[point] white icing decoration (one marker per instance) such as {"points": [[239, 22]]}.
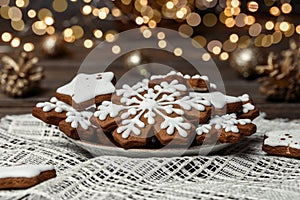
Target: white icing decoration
{"points": [[286, 138], [24, 171], [217, 99], [247, 107], [149, 105], [85, 87], [227, 122], [244, 98], [82, 118], [73, 116]]}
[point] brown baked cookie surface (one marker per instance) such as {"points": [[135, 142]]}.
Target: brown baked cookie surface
{"points": [[25, 176], [282, 143]]}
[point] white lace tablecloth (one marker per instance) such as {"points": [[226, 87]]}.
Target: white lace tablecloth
{"points": [[242, 171]]}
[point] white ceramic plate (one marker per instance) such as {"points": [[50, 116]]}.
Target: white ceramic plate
{"points": [[100, 150]]}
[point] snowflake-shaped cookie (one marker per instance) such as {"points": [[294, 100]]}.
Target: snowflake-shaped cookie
{"points": [[227, 128], [165, 110]]}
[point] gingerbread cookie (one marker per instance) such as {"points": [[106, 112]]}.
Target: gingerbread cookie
{"points": [[282, 143], [25, 176], [87, 89], [228, 128], [249, 111], [196, 82], [146, 109], [75, 124], [222, 104]]}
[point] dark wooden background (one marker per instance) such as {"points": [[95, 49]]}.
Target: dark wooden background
{"points": [[61, 70]]}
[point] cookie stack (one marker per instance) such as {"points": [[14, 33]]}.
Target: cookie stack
{"points": [[172, 110]]}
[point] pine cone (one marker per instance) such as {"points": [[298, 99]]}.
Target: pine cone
{"points": [[281, 81], [20, 78]]}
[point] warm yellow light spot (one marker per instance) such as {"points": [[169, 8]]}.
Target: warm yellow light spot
{"points": [[170, 5], [86, 10], [216, 50], [98, 33], [87, 1], [233, 38], [39, 27], [31, 13], [49, 21], [102, 14], [210, 20], [110, 37], [116, 12], [193, 19], [286, 8], [277, 36], [146, 19], [269, 25], [228, 12], [206, 56], [230, 22], [147, 33], [177, 51], [15, 14], [60, 5], [6, 37], [255, 29], [249, 20], [284, 26], [235, 3], [18, 25], [290, 32], [68, 32], [275, 11], [179, 14], [143, 2], [78, 31], [116, 49], [236, 10], [152, 24], [212, 44], [244, 41], [4, 12], [95, 12], [50, 30], [43, 13], [69, 39], [28, 47], [162, 44], [222, 17], [252, 6], [15, 42], [298, 29], [88, 43], [229, 46], [161, 35], [199, 41], [185, 30], [20, 3], [224, 56], [139, 20]]}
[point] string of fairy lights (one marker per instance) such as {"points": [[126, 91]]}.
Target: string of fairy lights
{"points": [[24, 19]]}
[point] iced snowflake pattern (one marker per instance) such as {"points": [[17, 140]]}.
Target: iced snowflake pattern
{"points": [[74, 117], [141, 101], [229, 122]]}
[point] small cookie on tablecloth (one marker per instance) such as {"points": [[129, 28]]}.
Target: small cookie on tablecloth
{"points": [[282, 143], [25, 176], [87, 89], [75, 124], [226, 129]]}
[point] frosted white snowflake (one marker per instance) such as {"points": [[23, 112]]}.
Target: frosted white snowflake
{"points": [[141, 101], [227, 122], [74, 117]]}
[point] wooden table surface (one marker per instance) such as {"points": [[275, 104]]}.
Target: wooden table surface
{"points": [[61, 70]]}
